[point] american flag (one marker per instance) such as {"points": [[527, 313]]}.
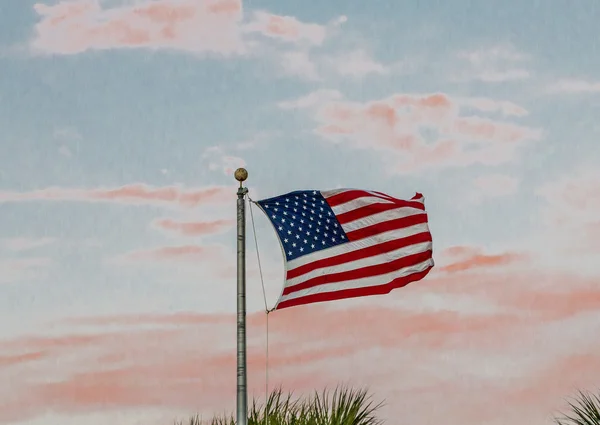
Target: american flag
{"points": [[348, 243]]}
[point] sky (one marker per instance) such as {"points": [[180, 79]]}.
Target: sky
{"points": [[122, 123]]}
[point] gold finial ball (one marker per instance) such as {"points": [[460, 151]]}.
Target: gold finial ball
{"points": [[241, 174]]}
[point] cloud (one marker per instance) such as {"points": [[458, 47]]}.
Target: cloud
{"points": [[416, 131], [490, 76], [286, 28], [491, 105], [465, 258], [218, 160], [494, 64], [299, 64], [25, 244], [185, 253], [312, 99], [570, 211], [441, 357], [23, 269], [194, 228], [356, 64], [195, 26], [573, 86], [200, 26], [136, 194]]}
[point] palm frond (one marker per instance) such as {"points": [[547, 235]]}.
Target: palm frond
{"points": [[585, 410]]}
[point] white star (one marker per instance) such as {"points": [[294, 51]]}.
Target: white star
{"points": [[305, 241], [292, 224], [283, 220], [312, 246], [294, 217], [332, 239], [297, 236], [285, 240], [323, 242], [301, 249], [329, 213], [289, 252], [289, 232], [314, 192], [294, 245], [280, 228], [299, 229], [273, 216]]}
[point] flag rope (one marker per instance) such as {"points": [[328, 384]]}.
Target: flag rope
{"points": [[267, 311]]}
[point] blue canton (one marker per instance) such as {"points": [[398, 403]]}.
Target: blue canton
{"points": [[304, 222]]}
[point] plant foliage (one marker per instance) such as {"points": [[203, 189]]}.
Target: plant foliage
{"points": [[345, 406]]}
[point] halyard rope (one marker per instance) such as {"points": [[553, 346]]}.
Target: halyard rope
{"points": [[267, 311]]}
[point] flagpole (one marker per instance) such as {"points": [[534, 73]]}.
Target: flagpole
{"points": [[242, 391]]}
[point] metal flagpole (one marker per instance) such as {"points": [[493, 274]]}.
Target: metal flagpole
{"points": [[242, 392]]}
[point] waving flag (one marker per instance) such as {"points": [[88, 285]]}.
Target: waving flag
{"points": [[348, 243]]}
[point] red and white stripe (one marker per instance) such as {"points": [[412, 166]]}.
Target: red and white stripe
{"points": [[389, 245]]}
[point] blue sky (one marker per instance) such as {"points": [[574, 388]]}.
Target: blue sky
{"points": [[84, 110]]}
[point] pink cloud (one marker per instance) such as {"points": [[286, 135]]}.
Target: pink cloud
{"points": [[138, 194], [188, 253], [400, 125], [571, 205], [286, 28], [25, 244], [200, 26], [22, 269], [163, 361], [195, 26], [465, 258], [194, 228]]}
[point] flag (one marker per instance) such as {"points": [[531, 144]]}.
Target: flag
{"points": [[348, 243]]}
